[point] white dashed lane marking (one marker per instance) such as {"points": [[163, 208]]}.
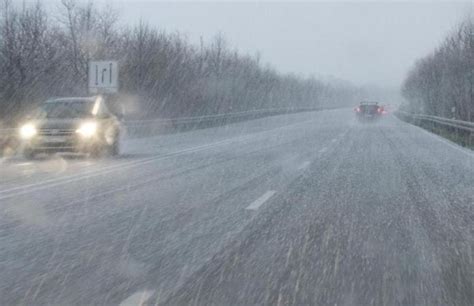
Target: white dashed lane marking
{"points": [[137, 299], [260, 201], [304, 165]]}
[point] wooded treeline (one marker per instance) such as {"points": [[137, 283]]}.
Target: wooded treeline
{"points": [[441, 83], [45, 54]]}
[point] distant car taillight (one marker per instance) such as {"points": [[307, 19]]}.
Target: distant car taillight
{"points": [[357, 109]]}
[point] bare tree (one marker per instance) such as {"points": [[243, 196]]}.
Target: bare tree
{"points": [[443, 81], [164, 73]]}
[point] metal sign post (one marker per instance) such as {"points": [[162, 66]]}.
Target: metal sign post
{"points": [[103, 77]]}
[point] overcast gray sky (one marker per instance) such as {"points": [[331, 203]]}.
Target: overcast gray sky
{"points": [[363, 42]]}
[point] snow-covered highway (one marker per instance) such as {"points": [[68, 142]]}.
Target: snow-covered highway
{"points": [[302, 209]]}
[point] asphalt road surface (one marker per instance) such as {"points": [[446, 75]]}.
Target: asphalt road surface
{"points": [[302, 209]]}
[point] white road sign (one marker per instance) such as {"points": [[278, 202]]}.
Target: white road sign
{"points": [[103, 77]]}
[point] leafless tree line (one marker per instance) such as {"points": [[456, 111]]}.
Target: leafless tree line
{"points": [[442, 83], [44, 55]]}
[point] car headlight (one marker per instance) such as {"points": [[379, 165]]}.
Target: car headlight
{"points": [[27, 131], [87, 129]]}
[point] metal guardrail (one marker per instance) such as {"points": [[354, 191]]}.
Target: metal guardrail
{"points": [[457, 124], [153, 126], [198, 119]]}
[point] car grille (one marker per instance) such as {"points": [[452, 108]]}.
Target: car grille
{"points": [[56, 132]]}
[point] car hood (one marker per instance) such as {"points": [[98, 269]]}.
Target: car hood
{"points": [[58, 124]]}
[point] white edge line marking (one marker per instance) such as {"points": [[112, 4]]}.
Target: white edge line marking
{"points": [[24, 189], [57, 182], [259, 202], [441, 139], [304, 165], [113, 167], [137, 299], [21, 190]]}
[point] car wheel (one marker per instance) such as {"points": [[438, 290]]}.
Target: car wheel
{"points": [[115, 147], [29, 153], [113, 144], [96, 152]]}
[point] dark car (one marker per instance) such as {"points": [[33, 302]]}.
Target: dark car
{"points": [[79, 125], [369, 111]]}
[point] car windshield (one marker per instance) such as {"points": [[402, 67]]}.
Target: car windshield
{"points": [[237, 152], [67, 109]]}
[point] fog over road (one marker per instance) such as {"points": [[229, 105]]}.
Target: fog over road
{"points": [[309, 208]]}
